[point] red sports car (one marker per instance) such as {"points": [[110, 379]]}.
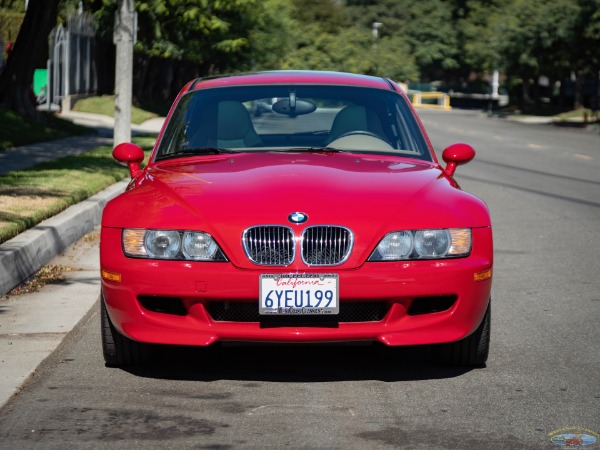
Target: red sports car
{"points": [[325, 217]]}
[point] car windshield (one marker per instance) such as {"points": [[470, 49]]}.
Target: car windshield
{"points": [[295, 118]]}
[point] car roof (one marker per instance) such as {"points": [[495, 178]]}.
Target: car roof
{"points": [[293, 77]]}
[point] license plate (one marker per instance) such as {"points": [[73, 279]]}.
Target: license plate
{"points": [[299, 294]]}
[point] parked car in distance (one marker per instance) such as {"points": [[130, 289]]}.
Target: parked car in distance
{"points": [[327, 220]]}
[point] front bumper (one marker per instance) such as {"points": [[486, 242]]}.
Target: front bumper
{"points": [[196, 285]]}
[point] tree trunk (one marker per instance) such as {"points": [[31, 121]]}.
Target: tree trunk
{"points": [[525, 97], [16, 80], [579, 78], [140, 75]]}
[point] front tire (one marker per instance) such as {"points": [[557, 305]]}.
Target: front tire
{"points": [[471, 351], [118, 350]]}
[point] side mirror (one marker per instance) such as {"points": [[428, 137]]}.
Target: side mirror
{"points": [[130, 155], [456, 155]]}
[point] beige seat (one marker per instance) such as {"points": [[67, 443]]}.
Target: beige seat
{"points": [[234, 126], [355, 118]]}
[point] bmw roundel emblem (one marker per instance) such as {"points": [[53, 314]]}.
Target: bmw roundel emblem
{"points": [[298, 217]]}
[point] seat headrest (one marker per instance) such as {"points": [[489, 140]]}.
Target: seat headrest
{"points": [[354, 118], [233, 121]]}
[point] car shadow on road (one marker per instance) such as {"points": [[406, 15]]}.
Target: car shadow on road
{"points": [[296, 363]]}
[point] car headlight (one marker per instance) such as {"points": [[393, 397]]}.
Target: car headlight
{"points": [[199, 246], [171, 244], [423, 244], [162, 244]]}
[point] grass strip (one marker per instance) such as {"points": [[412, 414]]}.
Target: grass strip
{"points": [[105, 105], [17, 130], [582, 114], [31, 195]]}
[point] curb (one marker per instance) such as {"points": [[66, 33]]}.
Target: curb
{"points": [[26, 253]]}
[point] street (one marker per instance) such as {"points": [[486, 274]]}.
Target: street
{"points": [[542, 185]]}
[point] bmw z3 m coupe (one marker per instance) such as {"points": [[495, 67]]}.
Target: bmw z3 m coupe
{"points": [[327, 218]]}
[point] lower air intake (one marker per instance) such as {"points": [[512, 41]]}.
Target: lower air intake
{"points": [[428, 305], [350, 312]]}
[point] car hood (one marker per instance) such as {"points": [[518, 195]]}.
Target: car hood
{"points": [[223, 195]]}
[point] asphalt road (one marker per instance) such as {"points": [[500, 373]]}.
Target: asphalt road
{"points": [[542, 185]]}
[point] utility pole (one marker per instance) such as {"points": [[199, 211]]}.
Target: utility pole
{"points": [[493, 91], [124, 39], [375, 32]]}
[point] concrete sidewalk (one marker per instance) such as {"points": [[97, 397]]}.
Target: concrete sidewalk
{"points": [[104, 125], [33, 325]]}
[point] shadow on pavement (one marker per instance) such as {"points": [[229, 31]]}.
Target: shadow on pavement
{"points": [[295, 363]]}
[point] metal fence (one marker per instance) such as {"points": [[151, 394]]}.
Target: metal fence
{"points": [[71, 64]]}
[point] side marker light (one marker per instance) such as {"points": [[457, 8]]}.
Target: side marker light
{"points": [[482, 276], [111, 276]]}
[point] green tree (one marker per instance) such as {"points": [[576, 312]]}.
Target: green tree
{"points": [[326, 40], [273, 36], [317, 44], [392, 58], [214, 34], [17, 76], [584, 57], [329, 15], [426, 26], [481, 28], [523, 38]]}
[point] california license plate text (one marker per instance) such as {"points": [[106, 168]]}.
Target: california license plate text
{"points": [[299, 294]]}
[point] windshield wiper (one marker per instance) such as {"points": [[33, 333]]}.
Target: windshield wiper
{"points": [[195, 151], [316, 150]]}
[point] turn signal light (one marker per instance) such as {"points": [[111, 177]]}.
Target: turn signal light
{"points": [[482, 276], [111, 276]]}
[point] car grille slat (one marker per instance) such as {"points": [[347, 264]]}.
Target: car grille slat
{"points": [[273, 245], [269, 245], [326, 245]]}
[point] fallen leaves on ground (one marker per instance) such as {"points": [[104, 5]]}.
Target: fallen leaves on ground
{"points": [[49, 274]]}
